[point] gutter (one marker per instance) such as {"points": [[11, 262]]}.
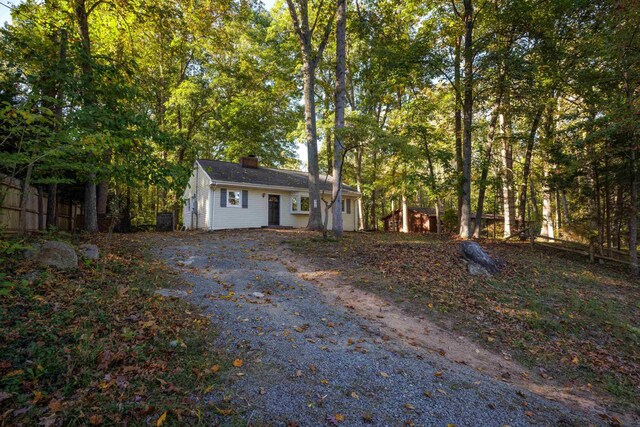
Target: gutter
{"points": [[272, 187]]}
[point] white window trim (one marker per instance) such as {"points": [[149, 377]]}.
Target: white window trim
{"points": [[298, 197], [239, 192]]}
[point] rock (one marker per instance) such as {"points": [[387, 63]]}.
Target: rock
{"points": [[258, 294], [89, 251], [57, 254], [32, 252], [478, 260], [476, 269]]}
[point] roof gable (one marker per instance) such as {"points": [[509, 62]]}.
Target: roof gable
{"points": [[233, 172]]}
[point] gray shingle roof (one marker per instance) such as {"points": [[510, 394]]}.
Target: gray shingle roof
{"points": [[233, 172]]}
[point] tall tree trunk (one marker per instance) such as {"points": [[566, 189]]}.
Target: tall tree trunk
{"points": [[41, 210], [405, 213], [101, 197], [458, 121], [607, 206], [465, 213], [507, 169], [361, 216], [526, 170], [557, 210], [315, 214], [52, 205], [565, 208], [432, 176], [89, 101], [619, 214], [310, 59], [487, 161], [547, 213], [374, 217], [338, 146], [534, 202]]}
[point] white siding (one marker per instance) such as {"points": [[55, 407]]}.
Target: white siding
{"points": [[255, 215], [257, 212], [198, 184]]}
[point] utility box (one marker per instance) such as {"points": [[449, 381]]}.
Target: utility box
{"points": [[164, 221]]}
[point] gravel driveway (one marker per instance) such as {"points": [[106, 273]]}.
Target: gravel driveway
{"points": [[309, 361]]}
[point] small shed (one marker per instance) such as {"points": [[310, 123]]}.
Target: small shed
{"points": [[421, 220]]}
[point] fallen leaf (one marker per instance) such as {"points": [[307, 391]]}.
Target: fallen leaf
{"points": [[215, 368], [339, 417], [96, 420], [438, 374], [238, 363], [37, 396], [384, 374], [55, 405], [409, 406], [161, 419]]}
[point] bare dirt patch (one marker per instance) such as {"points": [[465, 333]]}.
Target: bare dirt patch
{"points": [[556, 326]]}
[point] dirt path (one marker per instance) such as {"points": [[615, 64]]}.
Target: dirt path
{"points": [[316, 352]]}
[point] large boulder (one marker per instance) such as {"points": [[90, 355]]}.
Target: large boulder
{"points": [[89, 251], [478, 262], [56, 254]]}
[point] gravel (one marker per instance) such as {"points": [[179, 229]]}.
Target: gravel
{"points": [[308, 361]]}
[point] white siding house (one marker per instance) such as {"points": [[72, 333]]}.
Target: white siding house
{"points": [[223, 195]]}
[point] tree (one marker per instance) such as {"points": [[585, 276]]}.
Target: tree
{"points": [[305, 30], [467, 112], [338, 147]]}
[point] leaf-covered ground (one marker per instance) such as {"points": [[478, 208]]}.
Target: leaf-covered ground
{"points": [[567, 319], [98, 346]]}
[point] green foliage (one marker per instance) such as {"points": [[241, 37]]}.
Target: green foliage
{"points": [[449, 220], [66, 338]]}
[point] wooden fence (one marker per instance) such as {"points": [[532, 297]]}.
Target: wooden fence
{"points": [[584, 250], [37, 201]]}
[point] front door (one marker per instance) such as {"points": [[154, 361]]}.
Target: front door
{"points": [[274, 209]]}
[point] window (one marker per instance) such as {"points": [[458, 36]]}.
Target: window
{"points": [[346, 206], [304, 204], [234, 199], [194, 204], [299, 203]]}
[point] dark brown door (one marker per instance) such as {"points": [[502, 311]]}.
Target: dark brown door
{"points": [[274, 209]]}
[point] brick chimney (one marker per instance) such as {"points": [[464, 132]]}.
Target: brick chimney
{"points": [[249, 162]]}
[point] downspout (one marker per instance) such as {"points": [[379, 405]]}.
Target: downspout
{"points": [[212, 203], [197, 200]]}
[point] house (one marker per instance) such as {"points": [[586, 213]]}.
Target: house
{"points": [[225, 195], [423, 220]]}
